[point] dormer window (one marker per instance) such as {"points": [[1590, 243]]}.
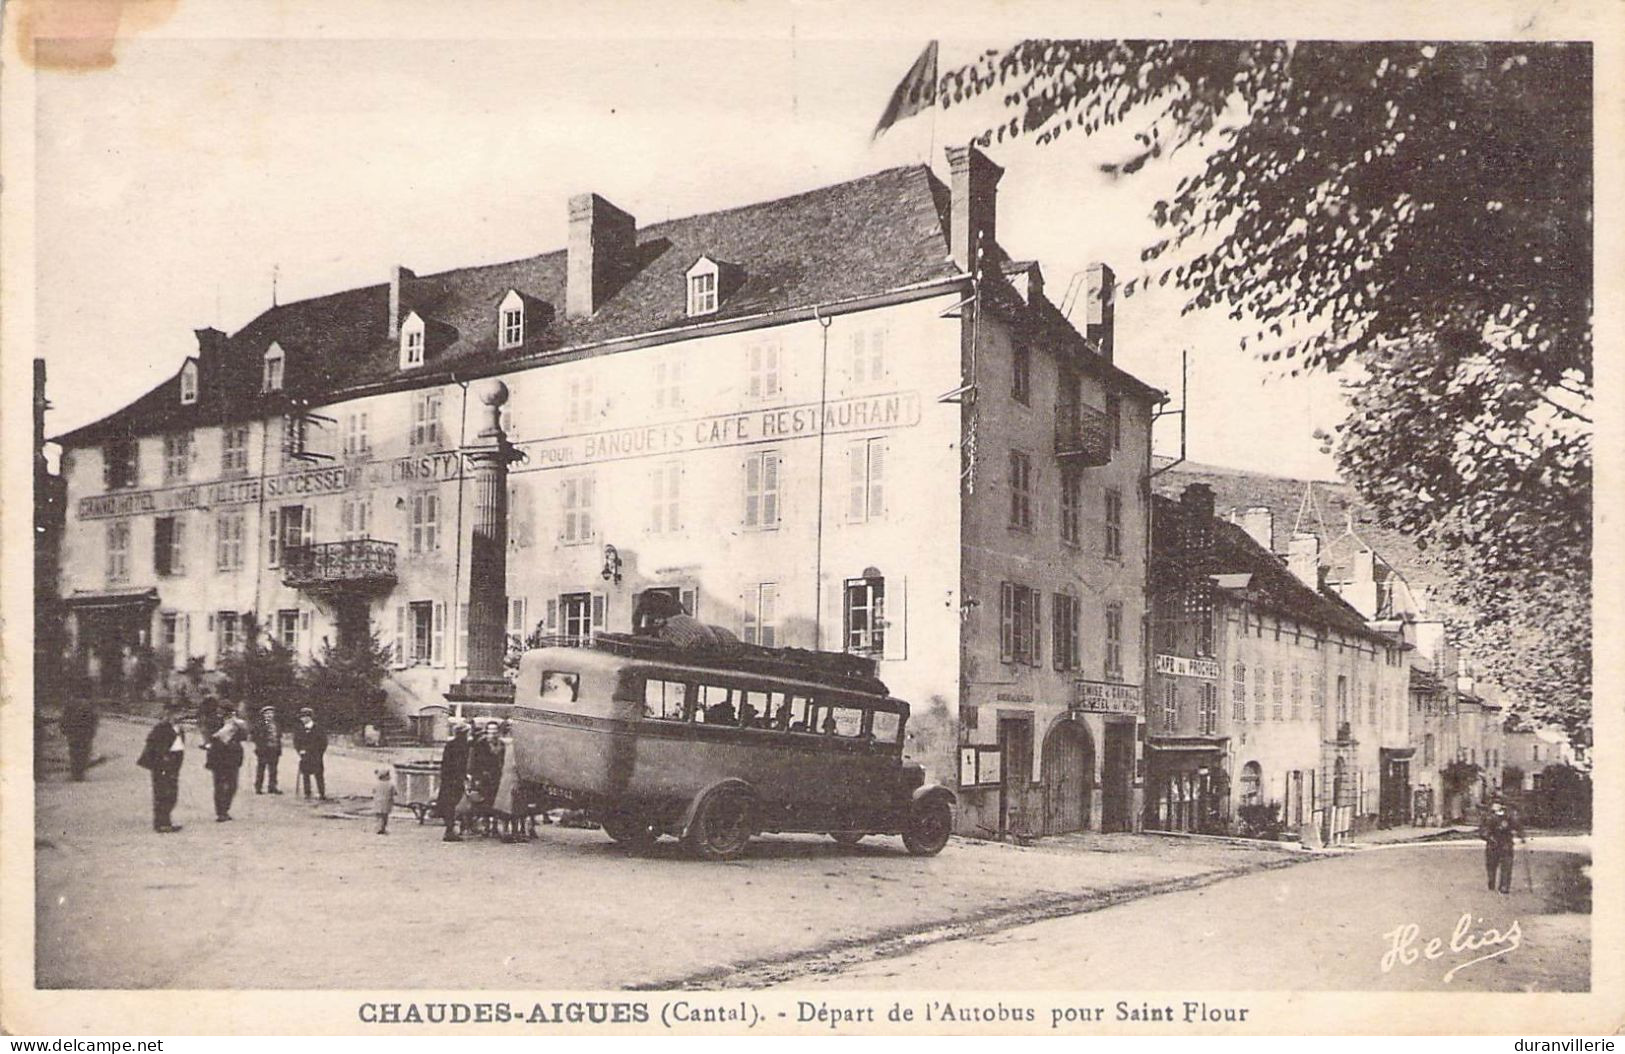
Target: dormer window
{"points": [[189, 383], [274, 362], [511, 321], [412, 331], [702, 287]]}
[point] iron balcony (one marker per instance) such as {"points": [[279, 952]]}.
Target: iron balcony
{"points": [[359, 564]]}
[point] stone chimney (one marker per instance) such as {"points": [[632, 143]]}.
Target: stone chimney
{"points": [[398, 277], [1100, 324], [211, 355], [974, 181], [1196, 509], [1303, 559], [1259, 523], [602, 252]]}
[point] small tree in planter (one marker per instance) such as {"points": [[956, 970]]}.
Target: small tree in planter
{"points": [[262, 673], [1260, 820], [344, 684]]}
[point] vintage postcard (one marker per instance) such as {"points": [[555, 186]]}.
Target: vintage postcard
{"points": [[798, 518]]}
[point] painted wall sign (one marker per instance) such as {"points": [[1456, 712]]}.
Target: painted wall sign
{"points": [[1180, 666], [1013, 697], [311, 482], [863, 414], [1106, 697]]}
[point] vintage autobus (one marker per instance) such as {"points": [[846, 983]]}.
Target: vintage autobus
{"points": [[715, 745]]}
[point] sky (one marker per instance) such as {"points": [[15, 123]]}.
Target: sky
{"points": [[208, 161]]}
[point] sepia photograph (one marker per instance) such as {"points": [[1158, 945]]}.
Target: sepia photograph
{"points": [[702, 518]]}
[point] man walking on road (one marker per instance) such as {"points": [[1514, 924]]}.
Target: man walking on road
{"points": [[1498, 830], [267, 751], [225, 761], [78, 725], [162, 756]]}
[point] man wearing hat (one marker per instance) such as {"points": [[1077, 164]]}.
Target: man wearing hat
{"points": [[225, 760], [453, 777], [311, 744], [267, 751], [162, 756], [1499, 828]]}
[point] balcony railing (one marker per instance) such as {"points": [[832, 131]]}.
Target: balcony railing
{"points": [[1082, 434], [360, 563]]}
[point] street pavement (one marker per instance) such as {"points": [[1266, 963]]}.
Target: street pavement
{"points": [[297, 894], [1340, 923]]}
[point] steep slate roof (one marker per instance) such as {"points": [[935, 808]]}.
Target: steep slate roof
{"points": [[877, 233], [1271, 585]]}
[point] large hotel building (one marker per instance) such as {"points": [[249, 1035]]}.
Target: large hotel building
{"points": [[844, 420]]}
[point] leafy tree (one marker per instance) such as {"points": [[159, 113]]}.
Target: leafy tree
{"points": [[1420, 216], [261, 673], [344, 684]]}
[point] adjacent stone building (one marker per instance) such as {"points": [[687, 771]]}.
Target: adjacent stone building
{"points": [[1271, 701]]}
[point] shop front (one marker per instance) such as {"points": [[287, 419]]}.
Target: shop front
{"points": [[1187, 786]]}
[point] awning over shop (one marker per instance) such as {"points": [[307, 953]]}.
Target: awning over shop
{"points": [[94, 600], [1395, 753], [1185, 753]]}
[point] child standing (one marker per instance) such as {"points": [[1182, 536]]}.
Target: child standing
{"points": [[383, 799]]}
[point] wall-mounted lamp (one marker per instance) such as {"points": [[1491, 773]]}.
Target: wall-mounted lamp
{"points": [[612, 564]]}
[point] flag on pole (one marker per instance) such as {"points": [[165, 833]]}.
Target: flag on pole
{"points": [[917, 91]]}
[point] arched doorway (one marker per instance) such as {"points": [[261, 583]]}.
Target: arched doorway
{"points": [[1068, 771]]}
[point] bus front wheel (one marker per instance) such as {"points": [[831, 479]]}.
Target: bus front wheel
{"points": [[721, 825], [930, 822]]}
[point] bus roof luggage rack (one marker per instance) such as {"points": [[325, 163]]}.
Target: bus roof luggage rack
{"points": [[838, 668]]}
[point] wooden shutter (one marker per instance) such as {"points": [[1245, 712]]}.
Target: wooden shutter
{"points": [[896, 643], [1007, 621], [857, 480], [273, 522], [770, 490], [552, 613], [183, 635], [462, 634], [753, 490], [600, 604], [304, 642], [307, 529], [1037, 623], [877, 478], [400, 635], [437, 647], [1057, 609], [163, 532]]}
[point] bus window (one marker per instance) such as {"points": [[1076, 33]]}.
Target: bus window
{"points": [[560, 687], [833, 719], [886, 726], [663, 699], [717, 703]]}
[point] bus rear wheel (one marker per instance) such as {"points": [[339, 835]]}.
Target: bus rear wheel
{"points": [[930, 822], [721, 825], [629, 830]]}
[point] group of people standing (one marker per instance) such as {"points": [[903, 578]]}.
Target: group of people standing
{"points": [[223, 734], [472, 783]]}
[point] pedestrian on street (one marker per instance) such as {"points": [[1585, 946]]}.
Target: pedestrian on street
{"points": [[78, 726], [267, 751], [225, 761], [383, 798], [453, 778], [162, 756], [311, 744], [1500, 826]]}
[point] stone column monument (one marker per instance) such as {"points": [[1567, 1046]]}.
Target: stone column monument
{"points": [[488, 458]]}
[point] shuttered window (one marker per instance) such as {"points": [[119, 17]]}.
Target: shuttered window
{"points": [[1019, 624], [866, 480], [762, 490]]}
